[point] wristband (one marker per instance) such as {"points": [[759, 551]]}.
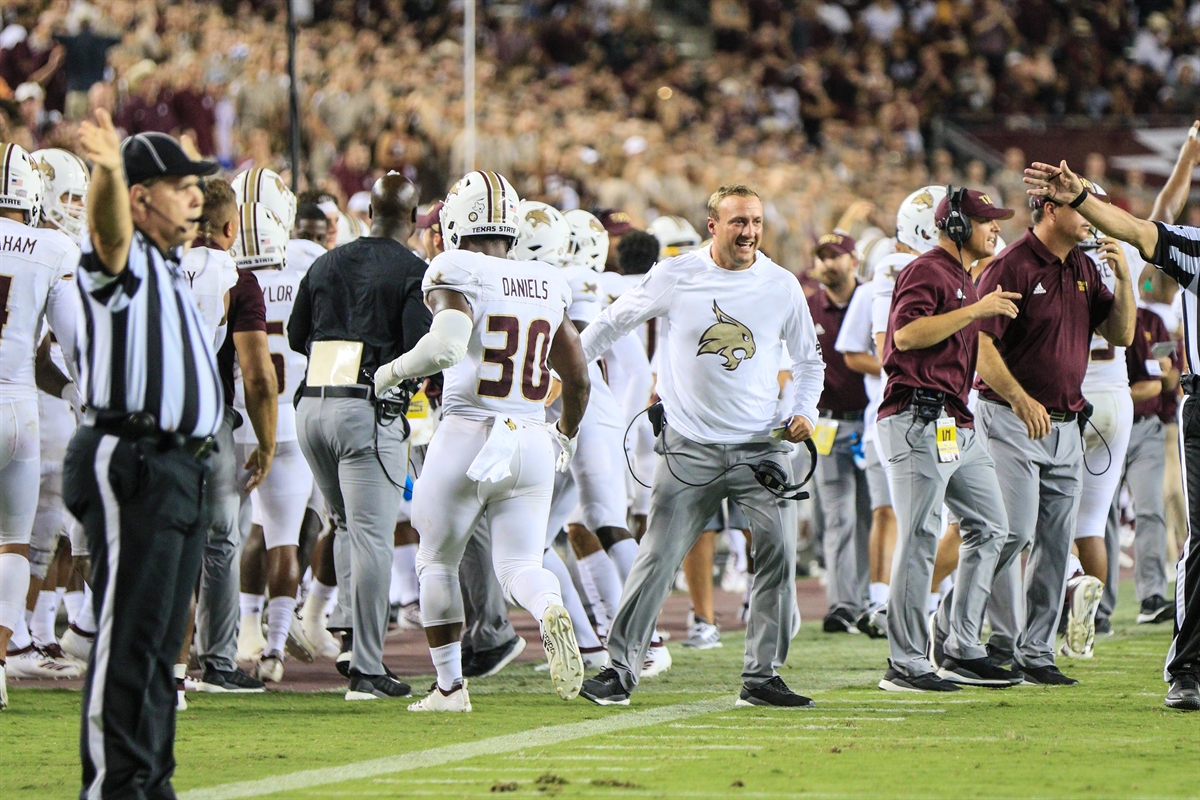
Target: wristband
{"points": [[1078, 201]]}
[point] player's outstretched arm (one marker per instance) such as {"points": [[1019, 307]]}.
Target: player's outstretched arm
{"points": [[110, 222], [1063, 186], [1170, 201], [566, 357]]}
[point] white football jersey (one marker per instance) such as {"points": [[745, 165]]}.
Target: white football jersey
{"points": [[881, 286], [1106, 370], [58, 421], [855, 336], [211, 274], [517, 307], [585, 293], [37, 281], [626, 366], [301, 253], [279, 294]]}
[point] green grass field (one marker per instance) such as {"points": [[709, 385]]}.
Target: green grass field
{"points": [[681, 737]]}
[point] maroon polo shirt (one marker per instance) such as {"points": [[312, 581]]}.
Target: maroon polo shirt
{"points": [[1148, 331], [934, 283], [247, 312], [1046, 347], [844, 390]]}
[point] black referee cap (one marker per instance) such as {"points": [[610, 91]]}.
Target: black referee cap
{"points": [[146, 156]]}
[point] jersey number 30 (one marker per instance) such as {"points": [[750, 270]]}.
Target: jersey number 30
{"points": [[535, 376]]}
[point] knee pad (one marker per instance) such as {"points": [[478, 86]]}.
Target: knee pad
{"points": [[40, 559], [440, 593]]}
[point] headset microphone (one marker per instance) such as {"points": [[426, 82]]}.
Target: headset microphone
{"points": [[146, 202]]}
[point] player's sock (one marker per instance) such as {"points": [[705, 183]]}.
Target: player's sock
{"points": [[73, 601], [251, 605], [586, 588], [20, 637], [85, 620], [41, 621], [180, 671], [280, 611], [447, 660], [935, 599], [622, 554], [404, 574], [584, 634], [320, 597], [603, 574], [14, 585], [1073, 565], [737, 548], [878, 593]]}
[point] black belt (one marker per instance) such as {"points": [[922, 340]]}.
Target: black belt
{"points": [[1190, 384], [841, 416], [356, 390], [143, 427], [1055, 416]]}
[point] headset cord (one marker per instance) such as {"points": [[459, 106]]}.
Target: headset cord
{"points": [[1106, 447]]}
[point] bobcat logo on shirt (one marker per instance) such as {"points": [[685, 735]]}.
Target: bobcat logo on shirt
{"points": [[726, 339]]}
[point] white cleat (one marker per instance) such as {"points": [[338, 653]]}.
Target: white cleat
{"points": [[1083, 593], [270, 668], [409, 617], [250, 642], [29, 663], [437, 700], [323, 642], [298, 644], [77, 643], [562, 652], [658, 660]]}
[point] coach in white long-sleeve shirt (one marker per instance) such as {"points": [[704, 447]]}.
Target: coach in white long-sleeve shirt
{"points": [[728, 310]]}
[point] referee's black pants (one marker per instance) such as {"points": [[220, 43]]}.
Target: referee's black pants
{"points": [[140, 508], [1184, 655]]}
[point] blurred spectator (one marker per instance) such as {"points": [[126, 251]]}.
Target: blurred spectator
{"points": [[85, 59]]}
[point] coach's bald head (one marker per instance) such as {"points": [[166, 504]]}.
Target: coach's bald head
{"points": [[394, 201]]}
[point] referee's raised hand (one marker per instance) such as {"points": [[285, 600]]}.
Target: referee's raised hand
{"points": [[100, 141]]}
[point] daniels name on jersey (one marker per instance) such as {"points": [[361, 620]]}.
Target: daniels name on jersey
{"points": [[517, 307]]}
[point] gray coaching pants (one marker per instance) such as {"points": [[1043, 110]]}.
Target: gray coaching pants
{"points": [[1145, 467], [338, 437], [678, 513], [1041, 482], [921, 485], [846, 505], [220, 576]]}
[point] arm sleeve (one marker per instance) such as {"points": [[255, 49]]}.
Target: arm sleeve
{"points": [[300, 322], [441, 348], [808, 366], [648, 299], [912, 299], [629, 351]]}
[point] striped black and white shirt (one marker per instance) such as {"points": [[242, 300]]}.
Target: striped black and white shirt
{"points": [[142, 344], [1178, 255]]}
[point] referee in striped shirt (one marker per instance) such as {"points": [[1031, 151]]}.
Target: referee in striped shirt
{"points": [[1175, 249], [134, 471]]}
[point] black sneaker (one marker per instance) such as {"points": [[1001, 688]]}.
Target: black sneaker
{"points": [[376, 687], [839, 621], [772, 693], [486, 663], [873, 622], [1103, 626], [235, 682], [343, 659], [1155, 609], [1184, 693], [893, 681], [605, 689], [977, 672], [1001, 658], [1044, 676]]}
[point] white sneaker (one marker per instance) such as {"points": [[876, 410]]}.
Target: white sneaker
{"points": [[658, 660], [29, 663], [562, 651], [702, 635], [323, 643], [298, 644], [3, 689], [1083, 598], [732, 579], [458, 700], [251, 642], [409, 618], [77, 643], [593, 659], [270, 668]]}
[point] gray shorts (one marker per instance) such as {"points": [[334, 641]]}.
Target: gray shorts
{"points": [[877, 484]]}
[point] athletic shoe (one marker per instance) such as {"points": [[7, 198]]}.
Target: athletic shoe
{"points": [[29, 663], [408, 618], [977, 672], [839, 621], [1044, 676], [1083, 598], [456, 699], [873, 622], [605, 689], [937, 643], [1103, 626], [269, 668], [3, 687], [562, 651], [1184, 693], [233, 682], [298, 644], [772, 693], [54, 650], [486, 663], [376, 687], [593, 657], [191, 685], [77, 643], [180, 695], [250, 641], [658, 660], [894, 681], [342, 663], [1155, 609], [702, 635], [323, 643]]}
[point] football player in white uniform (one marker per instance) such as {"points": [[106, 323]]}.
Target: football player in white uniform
{"points": [[261, 185], [496, 325], [37, 270], [675, 235], [309, 235]]}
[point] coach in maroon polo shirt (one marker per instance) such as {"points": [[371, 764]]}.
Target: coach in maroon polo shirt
{"points": [[845, 501], [1031, 371], [934, 456]]}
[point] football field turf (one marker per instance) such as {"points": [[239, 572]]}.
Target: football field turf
{"points": [[681, 737]]}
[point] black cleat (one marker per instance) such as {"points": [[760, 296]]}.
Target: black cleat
{"points": [[486, 663], [1103, 626], [977, 672], [1044, 676], [1184, 693], [376, 687], [774, 693], [343, 658], [893, 681], [1155, 609], [605, 689], [233, 682], [839, 621]]}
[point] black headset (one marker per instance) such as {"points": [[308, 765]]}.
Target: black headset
{"points": [[958, 224]]}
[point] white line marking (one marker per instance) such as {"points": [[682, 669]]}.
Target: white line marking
{"points": [[436, 756]]}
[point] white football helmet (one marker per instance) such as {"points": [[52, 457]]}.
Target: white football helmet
{"points": [[20, 183], [262, 240], [65, 180], [544, 235], [266, 187], [675, 235], [349, 228], [480, 204], [589, 240], [914, 220]]}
